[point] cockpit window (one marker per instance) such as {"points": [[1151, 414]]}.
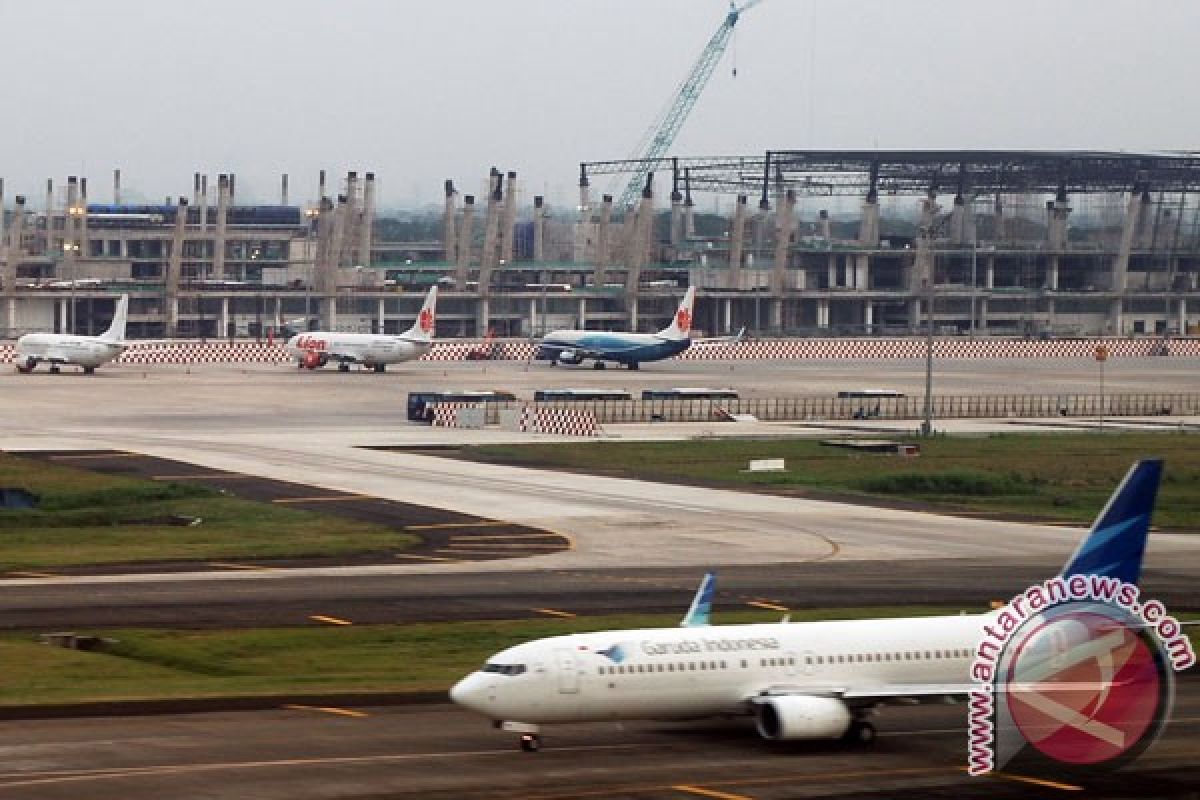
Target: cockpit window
{"points": [[504, 669]]}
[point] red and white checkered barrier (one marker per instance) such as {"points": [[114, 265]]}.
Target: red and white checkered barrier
{"points": [[255, 352], [445, 415], [562, 421]]}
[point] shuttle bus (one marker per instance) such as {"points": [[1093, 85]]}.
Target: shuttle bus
{"points": [[689, 393], [579, 395], [420, 404]]}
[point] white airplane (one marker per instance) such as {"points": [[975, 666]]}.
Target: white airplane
{"points": [[88, 352], [630, 349], [317, 348], [800, 681]]}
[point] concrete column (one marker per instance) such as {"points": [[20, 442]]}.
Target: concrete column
{"points": [[223, 198], [832, 270], [676, 220], [583, 313], [868, 229], [1145, 236], [487, 260], [70, 230], [689, 217], [63, 314], [633, 313], [536, 325], [785, 224], [728, 313], [12, 258], [484, 316], [585, 200], [1129, 227], [1057, 212], [823, 312], [116, 187], [776, 314], [1116, 317], [283, 189], [350, 223], [989, 274], [48, 235], [366, 228], [861, 266], [463, 251], [196, 189], [824, 225], [603, 243], [915, 321], [507, 239], [982, 325], [380, 314], [224, 331], [639, 241], [1182, 318], [868, 317], [1052, 273], [449, 236], [958, 220], [737, 230], [203, 203], [539, 229], [337, 241], [324, 281], [175, 268], [82, 219]]}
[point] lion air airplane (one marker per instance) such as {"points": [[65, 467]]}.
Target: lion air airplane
{"points": [[630, 349], [88, 352], [317, 348], [811, 680]]}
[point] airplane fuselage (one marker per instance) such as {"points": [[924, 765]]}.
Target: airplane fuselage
{"points": [[573, 347], [368, 349], [709, 671], [65, 348]]}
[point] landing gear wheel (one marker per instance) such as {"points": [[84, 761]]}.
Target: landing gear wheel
{"points": [[860, 732], [599, 365], [633, 365], [343, 367], [531, 742], [89, 370], [54, 369], [381, 367]]}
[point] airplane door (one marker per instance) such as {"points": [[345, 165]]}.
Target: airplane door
{"points": [[568, 674]]}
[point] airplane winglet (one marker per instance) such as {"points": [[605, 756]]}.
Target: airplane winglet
{"points": [[698, 613]]}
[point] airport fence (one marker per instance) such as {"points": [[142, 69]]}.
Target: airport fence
{"points": [[818, 408]]}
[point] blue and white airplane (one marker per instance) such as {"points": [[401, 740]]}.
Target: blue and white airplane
{"points": [[799, 681], [630, 349]]}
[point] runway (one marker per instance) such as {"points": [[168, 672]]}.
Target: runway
{"points": [[441, 752]]}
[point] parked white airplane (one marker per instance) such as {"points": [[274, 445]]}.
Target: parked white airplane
{"points": [[88, 352], [812, 680], [630, 349], [317, 348]]}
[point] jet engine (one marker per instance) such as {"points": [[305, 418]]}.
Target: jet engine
{"points": [[570, 357], [788, 717], [312, 359]]}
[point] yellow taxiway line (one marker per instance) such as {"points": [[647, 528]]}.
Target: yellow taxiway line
{"points": [[709, 792], [342, 712], [553, 613], [766, 605], [329, 620]]}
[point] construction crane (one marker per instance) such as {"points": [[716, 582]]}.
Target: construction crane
{"points": [[661, 135]]}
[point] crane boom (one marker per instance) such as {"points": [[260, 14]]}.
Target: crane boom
{"points": [[661, 135]]}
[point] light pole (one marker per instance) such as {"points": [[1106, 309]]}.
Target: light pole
{"points": [[1101, 357]]}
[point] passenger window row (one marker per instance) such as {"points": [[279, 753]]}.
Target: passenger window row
{"points": [[686, 666], [906, 655]]}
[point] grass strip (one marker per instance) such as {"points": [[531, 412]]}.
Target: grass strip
{"points": [[1053, 477]]}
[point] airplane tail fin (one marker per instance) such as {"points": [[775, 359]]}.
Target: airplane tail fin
{"points": [[1117, 541], [701, 609], [116, 330], [681, 326], [423, 329]]}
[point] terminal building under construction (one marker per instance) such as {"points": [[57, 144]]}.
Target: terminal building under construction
{"points": [[847, 243]]}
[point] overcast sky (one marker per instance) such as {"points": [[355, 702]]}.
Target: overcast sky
{"points": [[423, 91]]}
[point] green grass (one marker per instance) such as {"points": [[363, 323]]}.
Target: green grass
{"points": [[1055, 477], [88, 519], [151, 664]]}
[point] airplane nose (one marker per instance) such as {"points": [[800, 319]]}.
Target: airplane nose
{"points": [[466, 693]]}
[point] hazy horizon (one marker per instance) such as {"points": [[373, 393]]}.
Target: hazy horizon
{"points": [[418, 93]]}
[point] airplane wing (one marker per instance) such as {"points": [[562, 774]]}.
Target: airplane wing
{"points": [[734, 339], [889, 693]]}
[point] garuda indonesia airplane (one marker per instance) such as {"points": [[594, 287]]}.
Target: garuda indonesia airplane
{"points": [[630, 349], [810, 680]]}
